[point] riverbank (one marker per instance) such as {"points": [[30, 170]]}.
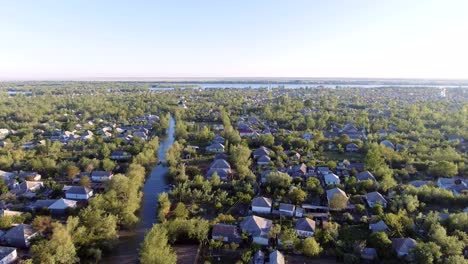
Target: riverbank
{"points": [[126, 250]]}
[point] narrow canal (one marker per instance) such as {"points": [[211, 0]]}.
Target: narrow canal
{"points": [[126, 250]]}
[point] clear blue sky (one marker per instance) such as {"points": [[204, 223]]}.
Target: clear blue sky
{"points": [[272, 38]]}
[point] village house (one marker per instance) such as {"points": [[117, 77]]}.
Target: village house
{"points": [[29, 176], [221, 167], [6, 176], [418, 183], [298, 170], [378, 227], [8, 255], [215, 148], [388, 144], [258, 228], [321, 170], [27, 189], [352, 147], [287, 209], [258, 258], [373, 198], [219, 139], [78, 193], [296, 156], [364, 176], [87, 135], [261, 205], [264, 175], [352, 132], [331, 179], [247, 132], [19, 236], [120, 155], [226, 233], [261, 151], [305, 227], [60, 206], [6, 212], [335, 191], [276, 257], [263, 160], [403, 246], [456, 185], [369, 254], [40, 204], [101, 176]]}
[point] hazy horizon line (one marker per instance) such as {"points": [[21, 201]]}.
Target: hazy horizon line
{"points": [[230, 78]]}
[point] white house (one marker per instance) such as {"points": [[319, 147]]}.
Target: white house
{"points": [[215, 147], [258, 228], [263, 160], [261, 205], [8, 255], [78, 193], [331, 179], [287, 209], [305, 227], [61, 205], [101, 176]]}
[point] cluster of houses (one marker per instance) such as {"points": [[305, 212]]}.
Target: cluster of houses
{"points": [[258, 228], [72, 195], [306, 217], [257, 225], [35, 196], [90, 130], [19, 236], [127, 133]]}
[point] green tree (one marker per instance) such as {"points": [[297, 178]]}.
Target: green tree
{"points": [[338, 202], [373, 159], [155, 248], [240, 158], [278, 179], [450, 244], [85, 181], [381, 242], [443, 169], [181, 211], [59, 249], [72, 171], [199, 229], [297, 196], [313, 185], [387, 182], [108, 165], [311, 248], [425, 253], [457, 259], [288, 237], [164, 206]]}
